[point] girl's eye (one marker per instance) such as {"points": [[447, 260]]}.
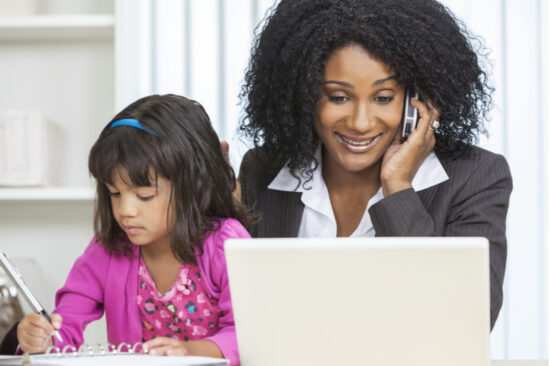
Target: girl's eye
{"points": [[383, 100], [114, 194], [145, 198], [338, 99]]}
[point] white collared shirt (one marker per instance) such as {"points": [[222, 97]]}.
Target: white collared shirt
{"points": [[318, 218]]}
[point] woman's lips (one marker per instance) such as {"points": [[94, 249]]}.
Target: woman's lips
{"points": [[357, 145]]}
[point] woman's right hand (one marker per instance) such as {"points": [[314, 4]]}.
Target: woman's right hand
{"points": [[34, 333], [402, 159]]}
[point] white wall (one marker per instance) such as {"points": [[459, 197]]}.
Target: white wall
{"points": [[515, 33], [200, 49], [67, 74], [196, 48]]}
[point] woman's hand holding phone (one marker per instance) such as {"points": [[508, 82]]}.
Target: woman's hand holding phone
{"points": [[403, 158]]}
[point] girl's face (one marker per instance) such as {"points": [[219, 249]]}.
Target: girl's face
{"points": [[142, 212], [360, 109]]}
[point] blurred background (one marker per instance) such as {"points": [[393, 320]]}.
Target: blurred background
{"points": [[66, 66]]}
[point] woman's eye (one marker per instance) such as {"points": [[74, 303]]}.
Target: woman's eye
{"points": [[338, 99], [383, 100], [145, 198], [114, 194]]}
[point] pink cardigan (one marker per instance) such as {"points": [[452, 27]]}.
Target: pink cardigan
{"points": [[100, 282]]}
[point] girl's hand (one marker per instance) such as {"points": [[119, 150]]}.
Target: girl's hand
{"points": [[165, 346], [402, 159], [34, 333]]}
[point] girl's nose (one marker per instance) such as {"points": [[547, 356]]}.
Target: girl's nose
{"points": [[126, 208]]}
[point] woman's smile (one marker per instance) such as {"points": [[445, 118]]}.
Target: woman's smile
{"points": [[357, 145]]}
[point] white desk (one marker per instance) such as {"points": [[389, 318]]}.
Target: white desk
{"points": [[493, 363]]}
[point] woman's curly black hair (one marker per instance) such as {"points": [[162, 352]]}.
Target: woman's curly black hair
{"points": [[421, 41]]}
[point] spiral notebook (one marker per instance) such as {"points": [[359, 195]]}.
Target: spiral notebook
{"points": [[106, 356]]}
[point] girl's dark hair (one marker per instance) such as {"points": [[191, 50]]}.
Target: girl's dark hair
{"points": [[186, 151], [421, 41]]}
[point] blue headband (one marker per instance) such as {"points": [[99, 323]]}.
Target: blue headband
{"points": [[132, 123]]}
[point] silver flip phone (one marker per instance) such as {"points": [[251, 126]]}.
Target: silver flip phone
{"points": [[410, 113]]}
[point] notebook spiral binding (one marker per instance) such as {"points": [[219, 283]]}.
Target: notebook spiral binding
{"points": [[97, 350]]}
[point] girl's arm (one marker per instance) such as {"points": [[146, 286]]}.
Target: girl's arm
{"points": [[34, 332], [213, 267], [80, 300], [165, 346], [78, 303], [225, 338]]}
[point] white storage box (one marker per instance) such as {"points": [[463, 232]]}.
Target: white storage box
{"points": [[17, 7], [24, 149]]}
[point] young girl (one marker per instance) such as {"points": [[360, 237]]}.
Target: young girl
{"points": [[156, 265]]}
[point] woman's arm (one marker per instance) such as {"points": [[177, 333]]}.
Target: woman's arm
{"points": [[249, 171], [474, 202]]}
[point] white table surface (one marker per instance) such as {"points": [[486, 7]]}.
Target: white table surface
{"points": [[519, 363]]}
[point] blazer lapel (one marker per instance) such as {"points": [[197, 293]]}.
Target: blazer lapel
{"points": [[282, 213]]}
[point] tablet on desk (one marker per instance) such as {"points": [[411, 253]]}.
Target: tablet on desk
{"points": [[361, 301]]}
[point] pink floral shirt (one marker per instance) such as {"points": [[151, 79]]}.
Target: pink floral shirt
{"points": [[184, 312]]}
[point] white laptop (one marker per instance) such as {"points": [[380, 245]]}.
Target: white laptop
{"points": [[365, 301]]}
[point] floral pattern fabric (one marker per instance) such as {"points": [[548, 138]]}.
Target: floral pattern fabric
{"points": [[184, 312]]}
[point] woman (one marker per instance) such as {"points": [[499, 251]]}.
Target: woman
{"points": [[325, 92]]}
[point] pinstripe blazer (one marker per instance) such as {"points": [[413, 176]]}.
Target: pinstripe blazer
{"points": [[472, 202]]}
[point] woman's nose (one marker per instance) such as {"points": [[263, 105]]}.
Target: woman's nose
{"points": [[360, 121]]}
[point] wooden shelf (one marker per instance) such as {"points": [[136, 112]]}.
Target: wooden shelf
{"points": [[56, 27], [47, 194]]}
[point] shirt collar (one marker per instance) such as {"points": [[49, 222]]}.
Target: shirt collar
{"points": [[429, 174]]}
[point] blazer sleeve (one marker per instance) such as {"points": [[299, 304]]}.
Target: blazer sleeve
{"points": [[478, 208], [80, 300], [254, 177], [244, 173]]}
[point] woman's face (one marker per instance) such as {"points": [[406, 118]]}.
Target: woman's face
{"points": [[360, 109]]}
